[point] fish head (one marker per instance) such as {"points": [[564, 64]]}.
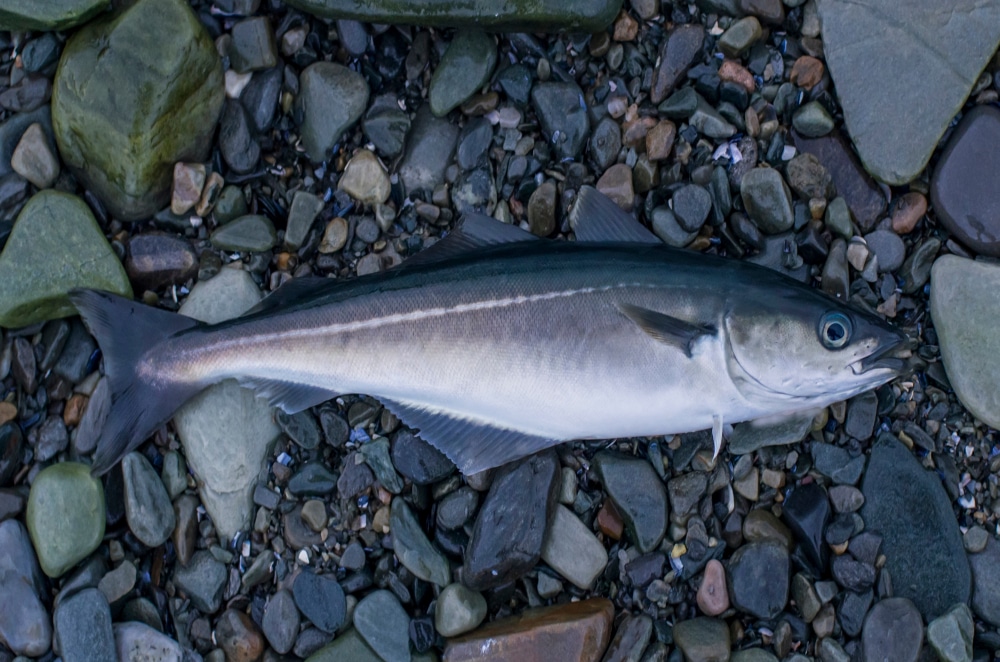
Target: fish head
{"points": [[804, 346]]}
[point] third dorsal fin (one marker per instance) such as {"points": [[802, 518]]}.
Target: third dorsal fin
{"points": [[595, 217], [476, 231]]}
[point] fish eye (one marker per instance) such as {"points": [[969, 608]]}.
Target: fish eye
{"points": [[835, 330]]}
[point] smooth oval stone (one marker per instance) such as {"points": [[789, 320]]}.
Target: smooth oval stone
{"points": [[386, 126], [55, 245], [985, 567], [134, 94], [320, 599], [759, 578], [535, 16], [50, 15], [25, 624], [331, 99], [465, 66], [767, 200], [893, 630], [252, 233], [902, 502], [159, 260], [812, 120], [82, 627], [459, 610], [65, 516], [429, 149], [962, 304], [148, 510], [281, 621], [138, 642], [384, 625]]}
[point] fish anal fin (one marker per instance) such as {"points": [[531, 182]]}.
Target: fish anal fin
{"points": [[595, 217], [292, 397], [473, 446], [667, 329], [475, 231]]}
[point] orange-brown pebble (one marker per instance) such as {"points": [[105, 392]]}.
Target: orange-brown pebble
{"points": [[713, 597], [807, 72], [660, 140], [609, 522], [909, 209], [573, 631], [616, 183], [8, 412], [626, 27], [635, 130], [734, 72], [75, 407], [238, 637]]}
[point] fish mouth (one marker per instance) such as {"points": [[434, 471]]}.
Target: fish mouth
{"points": [[891, 356]]}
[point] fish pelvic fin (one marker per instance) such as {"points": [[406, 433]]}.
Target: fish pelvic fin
{"points": [[140, 403]]}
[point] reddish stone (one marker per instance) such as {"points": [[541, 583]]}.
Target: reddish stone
{"points": [[807, 72], [573, 631], [616, 183], [734, 72], [907, 212], [75, 407], [609, 522], [660, 140], [238, 637], [713, 597], [626, 27]]}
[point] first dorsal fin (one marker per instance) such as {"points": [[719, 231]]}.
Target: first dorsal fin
{"points": [[595, 217], [476, 231]]}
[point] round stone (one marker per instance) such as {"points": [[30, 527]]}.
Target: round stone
{"points": [[365, 179], [767, 200], [331, 98], [713, 596], [459, 610], [65, 516]]}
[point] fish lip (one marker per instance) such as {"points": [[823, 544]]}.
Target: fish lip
{"points": [[885, 357]]}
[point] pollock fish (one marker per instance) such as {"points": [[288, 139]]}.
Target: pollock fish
{"points": [[494, 344]]}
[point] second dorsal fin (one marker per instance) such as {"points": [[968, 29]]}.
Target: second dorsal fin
{"points": [[476, 231], [595, 217]]}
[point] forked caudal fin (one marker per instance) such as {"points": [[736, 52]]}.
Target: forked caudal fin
{"points": [[126, 330]]}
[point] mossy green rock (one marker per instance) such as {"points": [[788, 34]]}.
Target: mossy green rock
{"points": [[55, 245], [65, 516], [48, 14], [134, 94], [512, 15]]}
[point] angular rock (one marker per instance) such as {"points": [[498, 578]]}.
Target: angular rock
{"points": [[573, 550], [896, 109], [412, 547], [252, 233], [965, 180], [50, 15], [638, 494], [950, 635], [134, 94], [703, 639], [902, 502], [807, 511], [158, 260], [464, 68], [679, 51], [563, 116], [577, 630], [893, 630], [384, 625], [419, 461], [148, 510], [365, 179], [55, 245], [459, 609], [429, 149], [630, 639], [507, 537], [331, 99], [203, 581]]}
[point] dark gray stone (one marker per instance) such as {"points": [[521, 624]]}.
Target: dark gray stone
{"points": [[639, 495], [893, 631], [985, 567], [82, 628], [563, 116], [203, 581], [320, 599], [419, 461], [758, 576]]}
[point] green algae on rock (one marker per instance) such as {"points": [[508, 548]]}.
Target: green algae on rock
{"points": [[506, 15], [48, 15], [134, 94], [55, 245], [65, 516]]}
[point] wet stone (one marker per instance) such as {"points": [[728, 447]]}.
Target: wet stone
{"points": [[116, 584], [189, 180], [950, 635], [252, 46], [376, 454], [644, 569], [429, 149], [185, 534], [82, 628], [354, 479], [386, 126], [740, 36], [238, 637], [260, 98], [331, 99], [702, 639], [384, 625], [853, 575], [25, 625], [903, 501], [304, 210], [916, 269], [300, 427], [985, 567], [630, 639], [806, 512], [837, 463], [34, 157], [888, 248], [679, 51], [203, 580], [685, 492], [759, 578], [49, 439], [474, 141], [413, 549], [808, 178], [349, 646], [713, 594], [457, 508], [11, 445], [846, 499], [321, 600], [812, 120], [418, 460], [605, 143], [542, 210], [158, 260], [365, 179], [238, 146], [464, 68], [691, 206], [65, 516], [893, 630], [708, 121], [459, 610], [666, 226], [578, 630], [507, 537], [639, 496], [862, 411], [975, 539], [767, 200], [148, 510], [563, 116]]}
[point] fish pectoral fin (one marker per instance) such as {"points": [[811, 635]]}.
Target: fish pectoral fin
{"points": [[473, 446], [595, 217], [667, 329], [292, 397], [476, 231]]}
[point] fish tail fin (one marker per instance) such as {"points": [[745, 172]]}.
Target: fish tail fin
{"points": [[126, 330]]}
